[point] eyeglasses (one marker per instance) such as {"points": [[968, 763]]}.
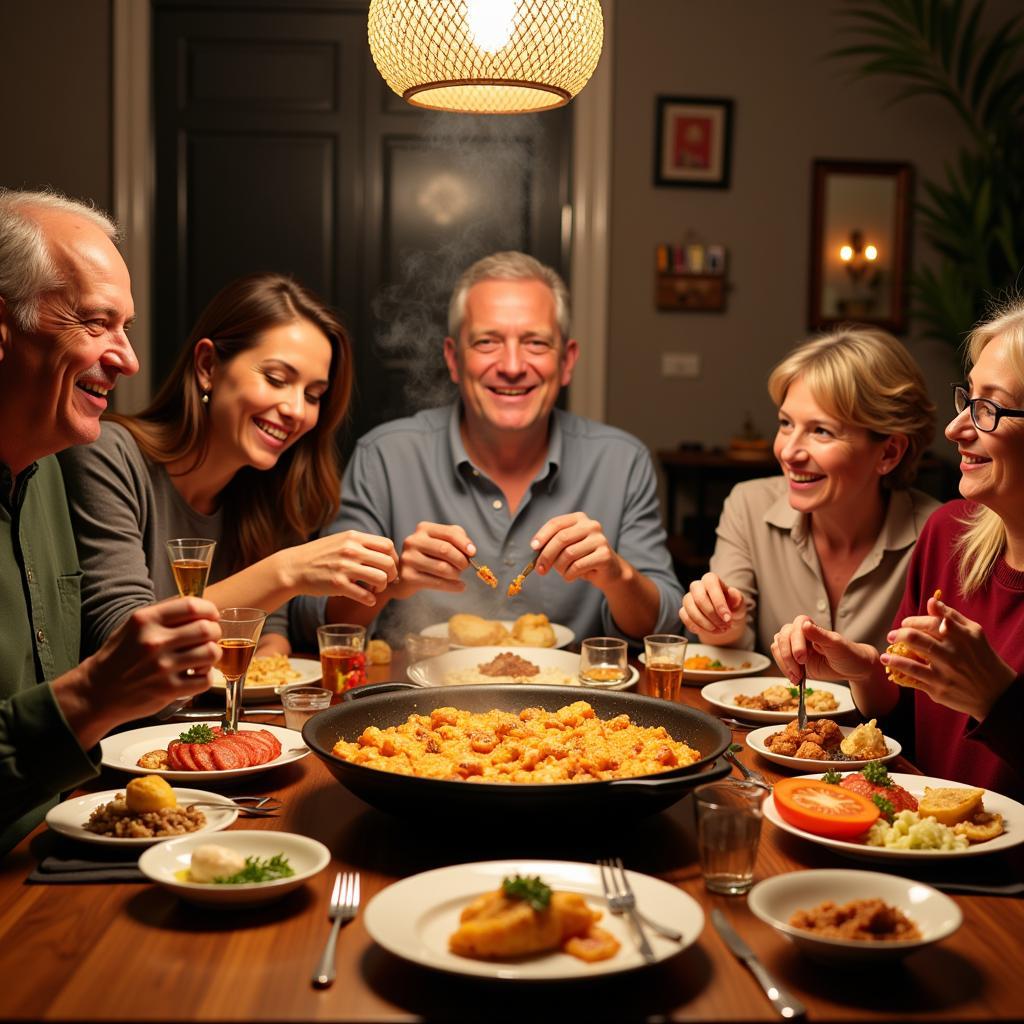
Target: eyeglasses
{"points": [[985, 414]]}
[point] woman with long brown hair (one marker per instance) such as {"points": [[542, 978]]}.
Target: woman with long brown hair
{"points": [[238, 446]]}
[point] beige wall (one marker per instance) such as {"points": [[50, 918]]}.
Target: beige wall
{"points": [[792, 105], [55, 76]]}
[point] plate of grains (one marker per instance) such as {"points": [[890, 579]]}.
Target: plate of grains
{"points": [[105, 818]]}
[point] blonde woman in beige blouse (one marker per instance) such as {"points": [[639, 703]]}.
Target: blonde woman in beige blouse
{"points": [[832, 536]]}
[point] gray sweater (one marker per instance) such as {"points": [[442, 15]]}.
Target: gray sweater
{"points": [[124, 509]]}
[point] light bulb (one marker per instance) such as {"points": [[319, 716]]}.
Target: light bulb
{"points": [[870, 252], [846, 253], [491, 22]]}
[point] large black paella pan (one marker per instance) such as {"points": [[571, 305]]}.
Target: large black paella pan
{"points": [[391, 704]]}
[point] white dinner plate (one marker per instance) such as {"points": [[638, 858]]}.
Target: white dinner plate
{"points": [[69, 817], [756, 741], [776, 899], [721, 695], [123, 750], [738, 663], [563, 635], [434, 671], [414, 917], [161, 864], [308, 669], [1012, 812]]}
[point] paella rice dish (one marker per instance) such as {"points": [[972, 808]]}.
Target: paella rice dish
{"points": [[530, 746]]}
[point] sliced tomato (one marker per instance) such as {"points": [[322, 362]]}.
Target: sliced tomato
{"points": [[824, 809]]}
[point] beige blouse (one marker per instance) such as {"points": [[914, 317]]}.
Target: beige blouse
{"points": [[765, 550]]}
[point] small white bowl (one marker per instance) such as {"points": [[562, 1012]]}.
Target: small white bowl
{"points": [[776, 899], [162, 862]]}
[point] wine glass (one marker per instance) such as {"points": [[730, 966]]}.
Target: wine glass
{"points": [[240, 630], [191, 558]]}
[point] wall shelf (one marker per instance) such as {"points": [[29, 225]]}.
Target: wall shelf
{"points": [[690, 293]]}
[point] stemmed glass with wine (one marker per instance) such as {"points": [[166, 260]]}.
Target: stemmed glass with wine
{"points": [[240, 630], [191, 558]]}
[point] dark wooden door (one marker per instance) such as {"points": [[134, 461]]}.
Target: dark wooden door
{"points": [[278, 147]]}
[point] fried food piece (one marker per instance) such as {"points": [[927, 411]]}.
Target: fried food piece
{"points": [[865, 743], [533, 631], [485, 574], [517, 584], [496, 927], [819, 700], [596, 945], [950, 804], [473, 631], [981, 828], [378, 652], [903, 650], [812, 751], [155, 760]]}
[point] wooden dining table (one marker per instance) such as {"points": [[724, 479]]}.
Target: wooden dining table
{"points": [[124, 951]]}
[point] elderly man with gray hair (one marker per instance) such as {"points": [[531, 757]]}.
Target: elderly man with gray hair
{"points": [[502, 476], [65, 301]]}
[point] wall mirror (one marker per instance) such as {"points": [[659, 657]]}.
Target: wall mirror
{"points": [[860, 251]]}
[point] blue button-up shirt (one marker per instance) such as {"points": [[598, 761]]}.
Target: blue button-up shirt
{"points": [[417, 469]]}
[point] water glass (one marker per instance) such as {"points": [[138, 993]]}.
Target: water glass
{"points": [[603, 660], [418, 646], [301, 703], [342, 656], [664, 657], [728, 831]]}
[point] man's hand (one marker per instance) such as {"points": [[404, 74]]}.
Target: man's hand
{"points": [[433, 558], [714, 610], [142, 667], [575, 547]]}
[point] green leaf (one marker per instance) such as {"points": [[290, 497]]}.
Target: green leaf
{"points": [[257, 870], [197, 734], [530, 890]]}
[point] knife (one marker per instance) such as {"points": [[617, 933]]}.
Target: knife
{"points": [[786, 1005]]}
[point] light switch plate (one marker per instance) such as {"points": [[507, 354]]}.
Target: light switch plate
{"points": [[680, 364]]}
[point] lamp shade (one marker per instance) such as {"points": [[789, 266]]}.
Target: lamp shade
{"points": [[486, 56]]}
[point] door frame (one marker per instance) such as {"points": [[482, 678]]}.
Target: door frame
{"points": [[585, 225]]}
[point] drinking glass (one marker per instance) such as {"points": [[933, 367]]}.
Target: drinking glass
{"points": [[728, 831], [664, 656], [191, 558], [240, 630], [342, 657], [301, 703], [603, 660], [418, 646]]}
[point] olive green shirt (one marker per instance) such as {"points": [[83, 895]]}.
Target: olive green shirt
{"points": [[40, 599]]}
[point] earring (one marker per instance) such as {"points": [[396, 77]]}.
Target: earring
{"points": [[206, 398]]}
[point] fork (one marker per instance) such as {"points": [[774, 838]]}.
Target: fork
{"points": [[801, 713], [484, 572], [621, 900], [252, 806], [343, 908], [517, 582], [749, 774]]}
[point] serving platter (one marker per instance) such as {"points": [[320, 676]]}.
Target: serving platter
{"points": [[414, 917], [721, 695], [309, 672], [1012, 812], [68, 817], [434, 671], [123, 749], [563, 635], [756, 741], [737, 663]]}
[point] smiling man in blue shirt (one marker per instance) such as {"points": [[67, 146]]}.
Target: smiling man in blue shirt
{"points": [[502, 476]]}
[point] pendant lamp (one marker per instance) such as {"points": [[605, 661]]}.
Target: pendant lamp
{"points": [[486, 56]]}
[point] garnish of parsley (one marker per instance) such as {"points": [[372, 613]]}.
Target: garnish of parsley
{"points": [[876, 773], [794, 691], [530, 890], [197, 734], [885, 806], [257, 870], [832, 778]]}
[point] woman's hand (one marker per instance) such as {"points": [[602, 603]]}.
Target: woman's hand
{"points": [[714, 610], [350, 564], [803, 647], [963, 672]]}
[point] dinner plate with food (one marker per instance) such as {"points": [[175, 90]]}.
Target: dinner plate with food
{"points": [[202, 751], [531, 630], [771, 699], [823, 744], [242, 868], [504, 665], [148, 810], [704, 663], [873, 813], [528, 920], [268, 673]]}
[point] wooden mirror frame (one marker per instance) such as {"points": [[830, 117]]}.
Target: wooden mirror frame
{"points": [[895, 318]]}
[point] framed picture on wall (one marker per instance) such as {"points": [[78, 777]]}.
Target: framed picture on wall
{"points": [[693, 139]]}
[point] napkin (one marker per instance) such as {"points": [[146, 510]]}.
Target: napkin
{"points": [[62, 863]]}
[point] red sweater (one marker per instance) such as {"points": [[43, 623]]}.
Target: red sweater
{"points": [[948, 744]]}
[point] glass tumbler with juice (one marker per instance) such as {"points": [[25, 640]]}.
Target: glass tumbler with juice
{"points": [[342, 656], [664, 655]]}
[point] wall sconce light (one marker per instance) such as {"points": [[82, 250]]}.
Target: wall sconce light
{"points": [[486, 56], [857, 255]]}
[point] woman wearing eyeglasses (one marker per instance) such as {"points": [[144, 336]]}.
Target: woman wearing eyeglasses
{"points": [[968, 706]]}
